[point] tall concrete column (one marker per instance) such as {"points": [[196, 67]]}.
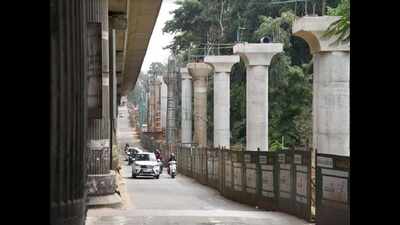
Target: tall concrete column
{"points": [[222, 67], [151, 124], [200, 72], [68, 112], [101, 180], [257, 58], [157, 105], [170, 80], [186, 136], [331, 77], [164, 96]]}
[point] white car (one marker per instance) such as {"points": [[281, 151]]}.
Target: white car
{"points": [[145, 164]]}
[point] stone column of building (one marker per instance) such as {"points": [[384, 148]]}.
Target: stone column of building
{"points": [[199, 73], [222, 67], [186, 123], [257, 58], [101, 180], [331, 77]]}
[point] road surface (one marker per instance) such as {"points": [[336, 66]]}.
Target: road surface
{"points": [[179, 201]]}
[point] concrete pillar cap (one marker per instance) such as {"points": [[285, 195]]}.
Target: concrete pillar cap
{"points": [[312, 28], [199, 70], [254, 54], [222, 63]]}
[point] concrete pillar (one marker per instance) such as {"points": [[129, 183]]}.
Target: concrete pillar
{"points": [[186, 122], [113, 96], [164, 93], [151, 123], [157, 105], [200, 72], [257, 58], [68, 114], [331, 85], [101, 180], [170, 80], [222, 67]]}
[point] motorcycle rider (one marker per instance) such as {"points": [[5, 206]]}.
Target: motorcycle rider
{"points": [[126, 151], [171, 158], [126, 147], [158, 156]]}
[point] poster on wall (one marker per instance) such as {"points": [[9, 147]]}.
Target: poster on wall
{"points": [[263, 159], [301, 183], [268, 180], [334, 188], [210, 168], [284, 180], [251, 178], [228, 174], [237, 181]]}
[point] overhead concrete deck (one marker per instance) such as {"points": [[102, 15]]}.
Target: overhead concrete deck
{"points": [[135, 24]]}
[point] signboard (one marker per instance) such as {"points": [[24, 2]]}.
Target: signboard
{"points": [[324, 162], [94, 73], [228, 174], [247, 158], [297, 159], [251, 178], [281, 158], [301, 184], [263, 159], [268, 181], [237, 176], [284, 180], [334, 188]]}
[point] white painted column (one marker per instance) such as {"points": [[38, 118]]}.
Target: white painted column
{"points": [[164, 93], [331, 115], [257, 58], [200, 72], [186, 135], [222, 66]]}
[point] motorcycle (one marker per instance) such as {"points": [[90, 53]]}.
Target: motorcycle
{"points": [[161, 164], [172, 169], [131, 157]]}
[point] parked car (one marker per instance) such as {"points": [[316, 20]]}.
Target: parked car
{"points": [[145, 164]]}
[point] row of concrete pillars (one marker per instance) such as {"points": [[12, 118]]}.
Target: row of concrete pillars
{"points": [[330, 91]]}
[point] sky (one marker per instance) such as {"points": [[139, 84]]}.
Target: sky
{"points": [[158, 40]]}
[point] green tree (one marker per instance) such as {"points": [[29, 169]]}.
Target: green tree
{"points": [[341, 27], [156, 69]]}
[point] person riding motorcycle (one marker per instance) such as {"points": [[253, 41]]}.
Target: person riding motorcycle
{"points": [[126, 151], [158, 156], [126, 147], [171, 158]]}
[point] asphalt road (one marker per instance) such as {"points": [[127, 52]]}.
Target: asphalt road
{"points": [[179, 201]]}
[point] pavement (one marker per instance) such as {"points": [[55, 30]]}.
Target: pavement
{"points": [[179, 201]]}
